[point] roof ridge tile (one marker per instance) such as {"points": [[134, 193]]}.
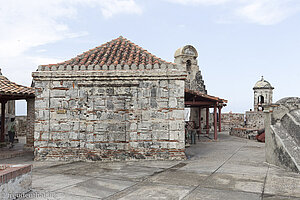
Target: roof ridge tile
{"points": [[117, 51]]}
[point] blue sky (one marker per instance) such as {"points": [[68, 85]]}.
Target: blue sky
{"points": [[237, 40]]}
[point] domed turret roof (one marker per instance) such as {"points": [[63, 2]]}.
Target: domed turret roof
{"points": [[187, 50], [263, 84]]}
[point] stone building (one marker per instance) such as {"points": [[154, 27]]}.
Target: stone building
{"points": [[114, 102], [263, 94], [247, 124], [9, 106], [9, 92]]}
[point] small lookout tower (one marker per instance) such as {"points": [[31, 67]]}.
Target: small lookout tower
{"points": [[263, 94], [187, 56]]}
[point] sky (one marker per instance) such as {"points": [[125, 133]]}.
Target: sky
{"points": [[238, 41]]}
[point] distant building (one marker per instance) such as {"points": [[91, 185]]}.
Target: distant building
{"points": [[247, 124], [263, 94]]}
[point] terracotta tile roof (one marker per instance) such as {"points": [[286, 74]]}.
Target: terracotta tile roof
{"points": [[10, 88], [205, 96], [118, 51]]}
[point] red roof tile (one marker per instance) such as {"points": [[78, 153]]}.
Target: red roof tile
{"points": [[10, 88], [118, 51], [205, 96]]}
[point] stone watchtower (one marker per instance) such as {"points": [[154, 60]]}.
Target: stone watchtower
{"points": [[263, 94], [187, 56]]}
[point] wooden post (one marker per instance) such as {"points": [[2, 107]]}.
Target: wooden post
{"points": [[2, 138], [215, 123], [199, 121], [220, 121], [207, 120]]}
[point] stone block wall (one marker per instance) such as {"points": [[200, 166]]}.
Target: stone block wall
{"points": [[114, 113], [247, 133], [232, 120], [21, 125], [243, 125], [255, 120]]}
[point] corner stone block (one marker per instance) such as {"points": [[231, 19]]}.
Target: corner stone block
{"points": [[177, 114], [97, 67], [82, 68], [133, 67], [141, 66], [41, 104], [176, 125], [76, 68], [111, 67], [172, 102]]}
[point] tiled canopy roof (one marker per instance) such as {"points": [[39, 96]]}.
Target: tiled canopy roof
{"points": [[8, 88], [205, 96], [118, 51]]}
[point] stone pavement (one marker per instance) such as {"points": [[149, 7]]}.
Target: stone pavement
{"points": [[232, 168], [17, 151]]}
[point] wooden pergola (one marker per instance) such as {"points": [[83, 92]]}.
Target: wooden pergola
{"points": [[12, 91], [200, 100]]}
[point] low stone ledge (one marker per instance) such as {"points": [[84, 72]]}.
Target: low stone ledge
{"points": [[247, 133], [14, 180]]}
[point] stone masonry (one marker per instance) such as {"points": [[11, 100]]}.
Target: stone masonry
{"points": [[115, 112], [187, 56], [282, 122]]}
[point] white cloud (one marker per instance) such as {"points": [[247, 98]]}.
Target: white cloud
{"points": [[202, 2], [112, 7], [25, 24], [268, 12], [263, 12], [31, 23]]}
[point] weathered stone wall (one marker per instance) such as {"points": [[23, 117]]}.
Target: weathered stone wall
{"points": [[247, 133], [282, 123], [21, 125], [115, 113], [232, 120], [255, 120], [243, 125]]}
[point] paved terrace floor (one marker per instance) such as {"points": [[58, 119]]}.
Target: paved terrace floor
{"points": [[232, 168]]}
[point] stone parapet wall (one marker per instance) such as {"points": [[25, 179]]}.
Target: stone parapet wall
{"points": [[255, 120], [110, 114], [282, 122], [243, 125], [244, 133], [112, 67], [251, 120], [232, 120], [14, 180]]}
